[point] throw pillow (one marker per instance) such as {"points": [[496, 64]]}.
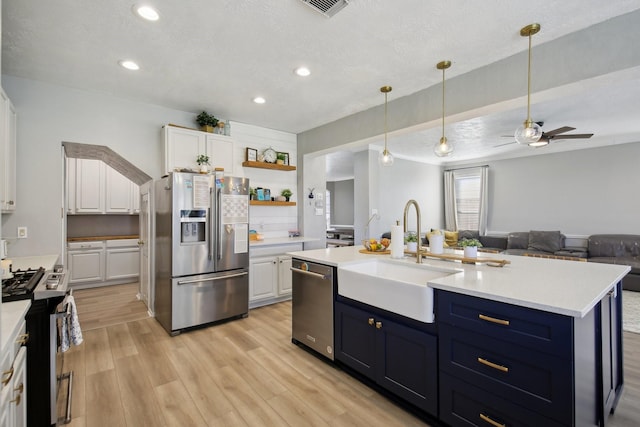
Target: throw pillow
{"points": [[518, 240], [546, 241], [468, 234], [450, 238]]}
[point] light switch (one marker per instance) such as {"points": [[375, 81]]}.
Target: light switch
{"points": [[319, 211]]}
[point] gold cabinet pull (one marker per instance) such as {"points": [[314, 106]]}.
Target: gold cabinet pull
{"points": [[17, 399], [493, 365], [23, 339], [20, 388], [493, 320], [9, 375], [378, 325], [488, 419], [371, 321]]}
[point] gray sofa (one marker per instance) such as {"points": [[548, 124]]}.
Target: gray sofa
{"points": [[618, 249]]}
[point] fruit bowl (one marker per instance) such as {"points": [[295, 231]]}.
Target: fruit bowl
{"points": [[373, 245]]}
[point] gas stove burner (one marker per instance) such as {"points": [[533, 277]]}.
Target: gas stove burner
{"points": [[21, 285]]}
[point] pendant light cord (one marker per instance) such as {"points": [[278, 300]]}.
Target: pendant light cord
{"points": [[443, 102], [385, 122], [529, 83]]}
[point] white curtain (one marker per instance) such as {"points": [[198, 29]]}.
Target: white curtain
{"points": [[450, 222], [484, 204]]}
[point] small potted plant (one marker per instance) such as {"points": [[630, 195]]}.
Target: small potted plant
{"points": [[411, 239], [252, 194], [470, 247], [286, 193], [280, 159], [207, 121], [203, 161]]}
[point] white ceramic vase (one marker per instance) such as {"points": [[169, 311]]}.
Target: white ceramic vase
{"points": [[470, 251]]}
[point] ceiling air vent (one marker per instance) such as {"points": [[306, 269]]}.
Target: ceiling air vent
{"points": [[327, 7]]}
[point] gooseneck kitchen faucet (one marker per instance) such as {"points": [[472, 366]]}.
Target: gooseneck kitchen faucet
{"points": [[406, 211]]}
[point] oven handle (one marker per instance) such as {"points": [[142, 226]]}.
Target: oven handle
{"points": [[310, 273], [187, 282]]}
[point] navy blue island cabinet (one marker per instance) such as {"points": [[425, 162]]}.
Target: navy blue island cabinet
{"points": [[396, 356], [502, 364]]}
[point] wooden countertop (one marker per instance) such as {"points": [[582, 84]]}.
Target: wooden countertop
{"points": [[93, 238]]}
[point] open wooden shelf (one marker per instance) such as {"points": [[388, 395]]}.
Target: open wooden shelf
{"points": [[270, 203], [265, 165]]}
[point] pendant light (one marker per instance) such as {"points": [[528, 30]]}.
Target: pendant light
{"points": [[385, 158], [530, 132], [444, 148]]}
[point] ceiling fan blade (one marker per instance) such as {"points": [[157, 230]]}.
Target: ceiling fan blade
{"points": [[563, 129], [573, 136], [506, 143]]}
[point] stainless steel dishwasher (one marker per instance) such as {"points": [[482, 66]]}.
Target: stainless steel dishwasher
{"points": [[312, 307]]}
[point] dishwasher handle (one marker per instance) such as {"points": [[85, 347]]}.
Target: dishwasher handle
{"points": [[310, 273]]}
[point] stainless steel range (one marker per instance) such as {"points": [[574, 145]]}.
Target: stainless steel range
{"points": [[21, 285]]}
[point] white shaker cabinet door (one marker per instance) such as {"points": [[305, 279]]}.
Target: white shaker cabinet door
{"points": [[263, 278], [118, 193], [182, 147], [90, 188]]}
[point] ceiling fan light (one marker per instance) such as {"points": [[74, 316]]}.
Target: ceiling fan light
{"points": [[385, 158], [444, 148], [529, 133], [539, 143]]}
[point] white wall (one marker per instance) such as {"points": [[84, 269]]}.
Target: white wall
{"points": [[579, 192], [341, 201], [270, 221], [49, 114]]}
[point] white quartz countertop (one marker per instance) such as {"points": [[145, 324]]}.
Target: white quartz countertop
{"points": [[25, 262], [569, 288], [272, 241], [12, 314]]}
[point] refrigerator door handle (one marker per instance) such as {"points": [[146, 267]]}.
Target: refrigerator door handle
{"points": [[219, 221], [211, 279], [211, 223]]}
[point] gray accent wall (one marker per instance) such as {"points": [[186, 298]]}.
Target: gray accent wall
{"points": [[341, 201]]}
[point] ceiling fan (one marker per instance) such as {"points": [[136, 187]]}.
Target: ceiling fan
{"points": [[552, 135]]}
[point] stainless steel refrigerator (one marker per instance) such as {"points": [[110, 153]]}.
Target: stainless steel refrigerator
{"points": [[201, 249]]}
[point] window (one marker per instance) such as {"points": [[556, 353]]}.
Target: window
{"points": [[467, 190], [465, 199]]}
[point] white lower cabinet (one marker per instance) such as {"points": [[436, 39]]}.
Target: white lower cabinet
{"points": [[86, 262], [103, 262], [123, 259], [270, 275], [13, 367]]}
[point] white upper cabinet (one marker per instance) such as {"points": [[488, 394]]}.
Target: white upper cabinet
{"points": [[95, 188], [8, 125], [90, 186], [182, 147], [118, 192]]}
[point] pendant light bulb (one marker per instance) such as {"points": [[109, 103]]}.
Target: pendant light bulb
{"points": [[385, 158], [443, 148], [530, 132]]}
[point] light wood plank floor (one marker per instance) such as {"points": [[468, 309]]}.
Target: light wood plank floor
{"points": [[241, 373], [109, 305]]}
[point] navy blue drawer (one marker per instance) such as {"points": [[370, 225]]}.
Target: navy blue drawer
{"points": [[539, 330], [462, 404], [537, 380]]}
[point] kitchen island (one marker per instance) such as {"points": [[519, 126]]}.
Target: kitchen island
{"points": [[536, 342]]}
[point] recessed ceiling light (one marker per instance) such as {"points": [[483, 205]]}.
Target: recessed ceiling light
{"points": [[146, 12], [302, 71], [259, 100], [129, 65]]}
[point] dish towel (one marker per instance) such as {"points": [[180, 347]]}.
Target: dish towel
{"points": [[71, 332]]}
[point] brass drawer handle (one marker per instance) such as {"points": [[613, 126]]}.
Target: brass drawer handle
{"points": [[378, 325], [371, 321], [9, 375], [493, 365], [487, 419], [493, 320]]}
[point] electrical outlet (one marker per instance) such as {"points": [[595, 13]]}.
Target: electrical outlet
{"points": [[374, 211], [22, 232]]}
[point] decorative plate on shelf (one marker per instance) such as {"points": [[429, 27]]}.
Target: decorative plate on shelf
{"points": [[270, 155]]}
